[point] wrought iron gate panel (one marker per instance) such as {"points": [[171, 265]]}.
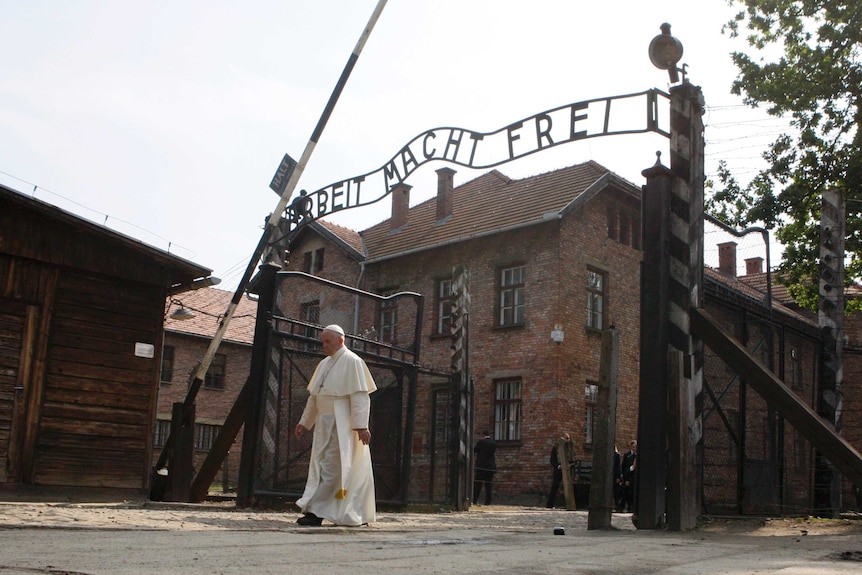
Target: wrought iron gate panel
{"points": [[754, 462], [305, 305]]}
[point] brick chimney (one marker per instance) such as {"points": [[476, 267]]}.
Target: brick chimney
{"points": [[727, 258], [445, 185], [753, 266], [400, 205]]}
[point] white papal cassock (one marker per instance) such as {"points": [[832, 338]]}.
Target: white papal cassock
{"points": [[340, 485]]}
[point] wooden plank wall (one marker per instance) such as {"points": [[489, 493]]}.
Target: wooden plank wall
{"points": [[90, 406], [12, 316], [99, 398]]}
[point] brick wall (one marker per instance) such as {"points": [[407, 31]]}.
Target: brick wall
{"points": [[556, 255], [211, 405]]}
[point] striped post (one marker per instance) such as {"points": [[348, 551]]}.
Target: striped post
{"points": [[830, 314], [460, 314], [671, 285]]}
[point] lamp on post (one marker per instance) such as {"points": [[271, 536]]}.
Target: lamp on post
{"points": [[665, 51]]}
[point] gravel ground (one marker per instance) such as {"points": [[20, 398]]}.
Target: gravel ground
{"points": [[137, 537]]}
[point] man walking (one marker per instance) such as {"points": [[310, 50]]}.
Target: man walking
{"points": [[340, 485]]}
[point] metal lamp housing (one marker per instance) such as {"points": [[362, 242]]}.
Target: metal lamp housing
{"points": [[665, 51]]}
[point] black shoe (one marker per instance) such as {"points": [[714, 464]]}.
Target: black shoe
{"points": [[310, 519]]}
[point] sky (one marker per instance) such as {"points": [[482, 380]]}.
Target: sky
{"points": [[166, 120]]}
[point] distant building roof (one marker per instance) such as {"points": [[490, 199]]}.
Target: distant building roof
{"points": [[752, 291], [209, 305], [491, 203]]}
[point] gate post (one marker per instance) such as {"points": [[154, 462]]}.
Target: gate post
{"points": [[650, 473], [601, 504], [248, 465], [830, 318], [671, 284], [462, 392]]}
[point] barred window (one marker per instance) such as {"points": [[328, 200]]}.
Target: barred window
{"points": [[205, 436], [507, 409], [214, 378], [163, 430]]}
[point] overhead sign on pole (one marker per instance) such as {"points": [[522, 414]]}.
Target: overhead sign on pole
{"points": [[282, 175]]}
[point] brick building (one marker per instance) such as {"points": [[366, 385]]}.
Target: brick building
{"points": [[557, 251], [185, 342], [802, 369]]}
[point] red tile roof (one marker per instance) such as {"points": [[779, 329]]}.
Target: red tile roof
{"points": [[758, 282], [348, 236], [742, 286], [490, 203], [209, 305]]}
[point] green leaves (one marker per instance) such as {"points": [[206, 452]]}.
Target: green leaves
{"points": [[805, 63]]}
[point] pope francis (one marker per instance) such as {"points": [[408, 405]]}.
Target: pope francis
{"points": [[340, 485]]}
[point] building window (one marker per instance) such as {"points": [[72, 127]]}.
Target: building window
{"points": [[591, 395], [167, 372], [596, 290], [214, 378], [389, 318], [612, 222], [625, 228], [205, 436], [163, 430], [445, 300], [507, 409], [312, 262], [624, 225], [796, 369], [309, 312], [512, 296]]}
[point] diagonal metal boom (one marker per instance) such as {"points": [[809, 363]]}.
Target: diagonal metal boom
{"points": [[270, 227], [817, 431]]}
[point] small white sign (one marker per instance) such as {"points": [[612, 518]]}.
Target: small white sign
{"points": [[147, 350]]}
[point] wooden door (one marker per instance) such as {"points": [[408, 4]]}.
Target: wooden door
{"points": [[17, 336]]}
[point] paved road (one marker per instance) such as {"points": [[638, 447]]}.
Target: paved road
{"points": [[119, 539]]}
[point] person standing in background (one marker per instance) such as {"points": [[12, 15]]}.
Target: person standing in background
{"points": [[629, 465], [485, 467]]}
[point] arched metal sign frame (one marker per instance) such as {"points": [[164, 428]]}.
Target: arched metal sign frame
{"points": [[594, 118]]}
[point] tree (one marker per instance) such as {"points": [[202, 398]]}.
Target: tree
{"points": [[808, 68]]}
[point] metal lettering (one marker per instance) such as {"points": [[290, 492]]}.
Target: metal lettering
{"points": [[573, 134], [428, 155], [544, 132], [512, 137], [568, 123], [453, 140]]}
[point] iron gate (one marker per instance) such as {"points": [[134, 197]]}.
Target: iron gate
{"points": [[754, 462], [384, 331]]}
